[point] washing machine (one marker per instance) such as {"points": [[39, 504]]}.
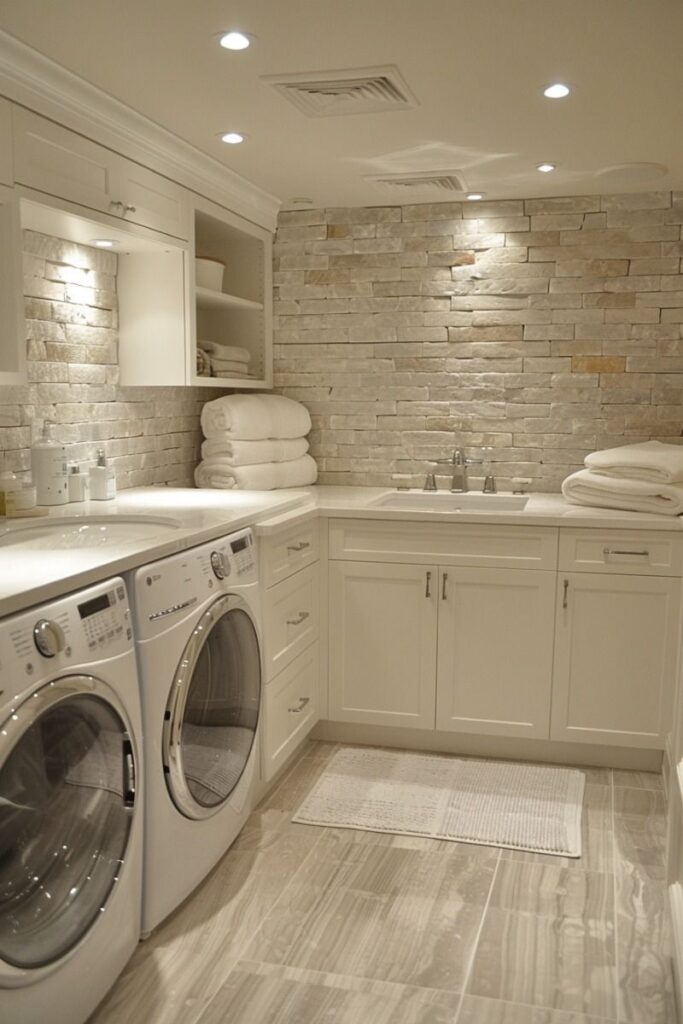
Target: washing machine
{"points": [[197, 622], [71, 816]]}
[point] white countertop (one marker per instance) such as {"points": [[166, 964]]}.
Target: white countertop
{"points": [[30, 575]]}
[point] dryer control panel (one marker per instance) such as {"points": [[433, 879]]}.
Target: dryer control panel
{"points": [[170, 588], [68, 634]]}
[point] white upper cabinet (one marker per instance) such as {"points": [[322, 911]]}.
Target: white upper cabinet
{"points": [[51, 159], [12, 333], [239, 313], [6, 163]]}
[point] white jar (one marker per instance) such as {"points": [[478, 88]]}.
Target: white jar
{"points": [[48, 469]]}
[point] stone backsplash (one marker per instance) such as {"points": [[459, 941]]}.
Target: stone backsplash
{"points": [[544, 329], [152, 435]]}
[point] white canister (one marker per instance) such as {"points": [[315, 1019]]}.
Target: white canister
{"points": [[48, 469]]}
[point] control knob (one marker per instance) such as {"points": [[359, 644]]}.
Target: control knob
{"points": [[49, 638], [220, 565]]}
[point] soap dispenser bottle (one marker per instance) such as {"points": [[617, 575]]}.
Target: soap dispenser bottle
{"points": [[48, 468], [102, 480]]}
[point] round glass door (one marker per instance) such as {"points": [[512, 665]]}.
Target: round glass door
{"points": [[66, 808], [214, 709]]}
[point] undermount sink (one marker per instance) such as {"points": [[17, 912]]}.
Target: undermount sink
{"points": [[444, 501], [72, 533]]}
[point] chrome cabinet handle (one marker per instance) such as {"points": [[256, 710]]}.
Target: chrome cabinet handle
{"points": [[615, 551], [303, 701], [299, 547], [116, 204], [443, 587], [297, 622], [565, 602], [428, 580], [129, 209]]}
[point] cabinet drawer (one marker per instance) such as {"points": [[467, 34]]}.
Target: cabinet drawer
{"points": [[521, 547], [627, 552], [6, 162], [286, 553], [290, 710], [291, 618]]}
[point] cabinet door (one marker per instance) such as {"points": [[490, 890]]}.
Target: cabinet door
{"points": [[495, 651], [6, 162], [61, 163], [151, 200], [615, 658], [12, 332], [383, 643]]}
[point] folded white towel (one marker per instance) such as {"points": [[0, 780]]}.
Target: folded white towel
{"points": [[595, 489], [255, 417], [266, 477], [228, 366], [253, 453], [228, 374], [242, 355], [650, 460]]}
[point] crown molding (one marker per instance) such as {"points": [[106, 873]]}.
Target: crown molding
{"points": [[34, 81]]}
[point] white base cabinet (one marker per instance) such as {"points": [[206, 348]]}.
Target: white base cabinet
{"points": [[383, 643], [615, 658], [500, 648], [495, 651]]}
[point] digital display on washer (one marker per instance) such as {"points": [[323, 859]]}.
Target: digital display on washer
{"points": [[98, 604], [239, 545]]}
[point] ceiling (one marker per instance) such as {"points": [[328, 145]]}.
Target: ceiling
{"points": [[477, 71]]}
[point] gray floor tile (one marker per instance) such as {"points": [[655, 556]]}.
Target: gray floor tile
{"points": [[256, 993], [476, 1010], [553, 891]]}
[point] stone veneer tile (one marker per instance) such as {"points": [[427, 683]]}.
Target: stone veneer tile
{"points": [[541, 328]]}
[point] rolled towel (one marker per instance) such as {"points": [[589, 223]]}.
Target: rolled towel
{"points": [[267, 477], [651, 460], [597, 490], [234, 352], [255, 417], [253, 453]]}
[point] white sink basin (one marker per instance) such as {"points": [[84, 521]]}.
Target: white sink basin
{"points": [[444, 501], [72, 533]]}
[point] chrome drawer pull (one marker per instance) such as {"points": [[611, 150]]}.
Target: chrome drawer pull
{"points": [[428, 580], [443, 589], [299, 547], [297, 622], [565, 602], [303, 701], [615, 551]]}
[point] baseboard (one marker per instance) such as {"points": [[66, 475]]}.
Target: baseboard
{"points": [[491, 746]]}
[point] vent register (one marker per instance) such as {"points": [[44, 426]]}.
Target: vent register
{"points": [[364, 91]]}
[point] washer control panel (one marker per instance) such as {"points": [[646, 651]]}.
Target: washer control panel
{"points": [[67, 634], [166, 590]]}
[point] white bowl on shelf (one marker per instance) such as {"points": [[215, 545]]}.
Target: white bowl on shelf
{"points": [[209, 273]]}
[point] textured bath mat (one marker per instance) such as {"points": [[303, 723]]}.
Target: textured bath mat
{"points": [[520, 807]]}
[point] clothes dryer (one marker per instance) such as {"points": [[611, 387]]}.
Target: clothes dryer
{"points": [[198, 624], [71, 819]]}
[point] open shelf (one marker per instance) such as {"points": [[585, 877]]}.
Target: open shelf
{"points": [[221, 300]]}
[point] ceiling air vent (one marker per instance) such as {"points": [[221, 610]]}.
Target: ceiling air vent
{"points": [[333, 93], [420, 181]]}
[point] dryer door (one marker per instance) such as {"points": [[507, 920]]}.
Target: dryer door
{"points": [[67, 794], [213, 709]]}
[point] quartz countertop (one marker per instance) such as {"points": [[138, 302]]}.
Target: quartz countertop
{"points": [[30, 574]]}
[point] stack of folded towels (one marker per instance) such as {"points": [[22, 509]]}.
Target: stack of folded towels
{"points": [[645, 477], [222, 360], [255, 442]]}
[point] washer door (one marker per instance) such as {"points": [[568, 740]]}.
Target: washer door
{"points": [[67, 793], [213, 709]]}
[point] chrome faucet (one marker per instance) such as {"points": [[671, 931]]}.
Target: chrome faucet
{"points": [[459, 461]]}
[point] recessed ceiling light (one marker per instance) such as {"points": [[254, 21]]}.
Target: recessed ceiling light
{"points": [[235, 40], [474, 196], [233, 138], [556, 91], [103, 243], [546, 168]]}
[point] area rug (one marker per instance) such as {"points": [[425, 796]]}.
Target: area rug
{"points": [[489, 803]]}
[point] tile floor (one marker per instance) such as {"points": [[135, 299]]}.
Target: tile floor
{"points": [[305, 925]]}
